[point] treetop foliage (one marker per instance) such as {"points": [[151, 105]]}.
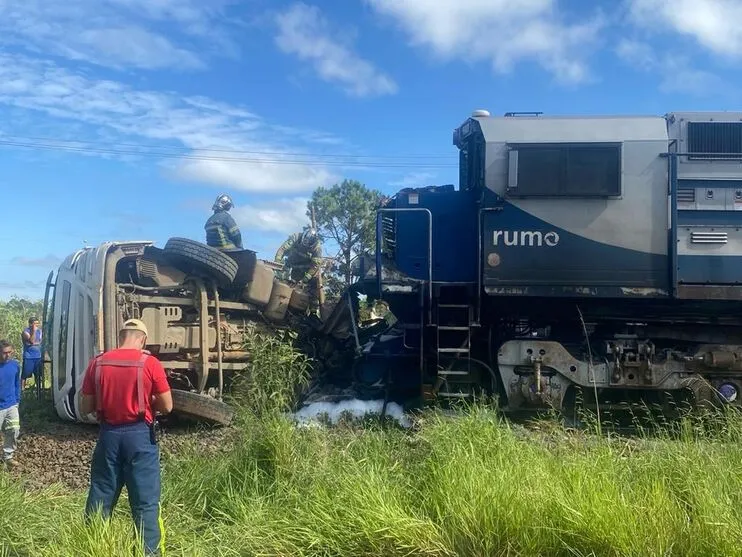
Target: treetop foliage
{"points": [[346, 214]]}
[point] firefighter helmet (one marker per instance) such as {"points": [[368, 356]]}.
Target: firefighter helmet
{"points": [[309, 237], [223, 203]]}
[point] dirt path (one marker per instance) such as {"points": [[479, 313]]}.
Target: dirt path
{"points": [[52, 451]]}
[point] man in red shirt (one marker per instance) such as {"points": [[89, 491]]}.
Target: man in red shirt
{"points": [[125, 387]]}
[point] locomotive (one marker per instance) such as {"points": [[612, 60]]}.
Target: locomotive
{"points": [[598, 256]]}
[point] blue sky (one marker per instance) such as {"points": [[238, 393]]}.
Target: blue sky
{"points": [[123, 119]]}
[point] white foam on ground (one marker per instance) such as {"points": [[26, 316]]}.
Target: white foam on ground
{"points": [[355, 407]]}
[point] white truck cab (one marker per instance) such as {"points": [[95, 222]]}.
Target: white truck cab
{"points": [[195, 300]]}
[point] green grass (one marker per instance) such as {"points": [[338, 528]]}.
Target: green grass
{"points": [[471, 485]]}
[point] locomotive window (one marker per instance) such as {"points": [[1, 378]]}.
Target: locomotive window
{"points": [[587, 170], [715, 140]]}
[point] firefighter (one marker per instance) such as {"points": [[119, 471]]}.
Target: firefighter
{"points": [[303, 257], [222, 231], [125, 387]]}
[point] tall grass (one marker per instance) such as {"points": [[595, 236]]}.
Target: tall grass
{"points": [[275, 376], [466, 485], [470, 485]]}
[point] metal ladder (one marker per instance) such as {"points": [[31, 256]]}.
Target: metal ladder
{"points": [[453, 323]]}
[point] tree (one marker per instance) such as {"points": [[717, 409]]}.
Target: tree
{"points": [[345, 214], [14, 314]]}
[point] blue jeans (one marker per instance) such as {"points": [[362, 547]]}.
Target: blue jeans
{"points": [[126, 455]]}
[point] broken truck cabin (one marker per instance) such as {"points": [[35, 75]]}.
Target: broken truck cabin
{"points": [[195, 301]]}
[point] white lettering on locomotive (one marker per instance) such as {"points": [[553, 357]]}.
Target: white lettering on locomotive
{"points": [[525, 238]]}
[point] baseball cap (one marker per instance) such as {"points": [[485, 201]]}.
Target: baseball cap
{"points": [[135, 325]]}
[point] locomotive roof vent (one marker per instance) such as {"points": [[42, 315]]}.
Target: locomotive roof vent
{"points": [[480, 114]]}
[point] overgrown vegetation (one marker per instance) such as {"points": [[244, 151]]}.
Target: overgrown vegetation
{"points": [[14, 314], [276, 374], [469, 485]]}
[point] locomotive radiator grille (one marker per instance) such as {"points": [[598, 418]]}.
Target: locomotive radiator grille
{"points": [[715, 140]]}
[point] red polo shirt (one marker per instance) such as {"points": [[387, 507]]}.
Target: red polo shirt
{"points": [[119, 385]]}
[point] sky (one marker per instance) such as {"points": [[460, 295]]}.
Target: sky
{"points": [[124, 119]]}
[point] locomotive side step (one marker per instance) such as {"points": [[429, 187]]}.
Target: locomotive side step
{"points": [[453, 372], [453, 350], [452, 328], [460, 306]]}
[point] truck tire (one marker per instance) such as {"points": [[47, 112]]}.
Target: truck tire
{"points": [[202, 407], [200, 259]]}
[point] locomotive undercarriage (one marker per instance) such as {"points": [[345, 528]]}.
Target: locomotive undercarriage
{"points": [[540, 354]]}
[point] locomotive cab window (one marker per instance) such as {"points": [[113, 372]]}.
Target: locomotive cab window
{"points": [[565, 170]]}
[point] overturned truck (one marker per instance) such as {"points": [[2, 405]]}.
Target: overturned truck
{"points": [[196, 301]]}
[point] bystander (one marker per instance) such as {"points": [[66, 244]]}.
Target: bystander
{"points": [[32, 360], [125, 387], [10, 397]]}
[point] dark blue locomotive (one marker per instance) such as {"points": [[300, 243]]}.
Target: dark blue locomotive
{"points": [[601, 254]]}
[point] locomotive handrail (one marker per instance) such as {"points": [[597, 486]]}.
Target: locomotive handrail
{"points": [[702, 154], [430, 249]]}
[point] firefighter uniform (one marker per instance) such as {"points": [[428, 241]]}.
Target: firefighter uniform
{"points": [[222, 231], [303, 254], [123, 382]]}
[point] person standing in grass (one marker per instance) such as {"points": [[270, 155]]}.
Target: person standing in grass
{"points": [[125, 387], [32, 361], [10, 398]]}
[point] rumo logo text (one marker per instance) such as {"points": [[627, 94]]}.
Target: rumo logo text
{"points": [[525, 238]]}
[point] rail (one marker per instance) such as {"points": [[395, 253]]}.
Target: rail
{"points": [[379, 281], [704, 154]]}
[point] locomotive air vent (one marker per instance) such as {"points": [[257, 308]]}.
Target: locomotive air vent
{"points": [[480, 113], [708, 237], [715, 140], [686, 195]]}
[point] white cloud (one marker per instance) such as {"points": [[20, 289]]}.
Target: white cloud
{"points": [[283, 215], [256, 176], [675, 72], [502, 32], [44, 262], [266, 160], [413, 179], [637, 54], [118, 33], [714, 24], [305, 33]]}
